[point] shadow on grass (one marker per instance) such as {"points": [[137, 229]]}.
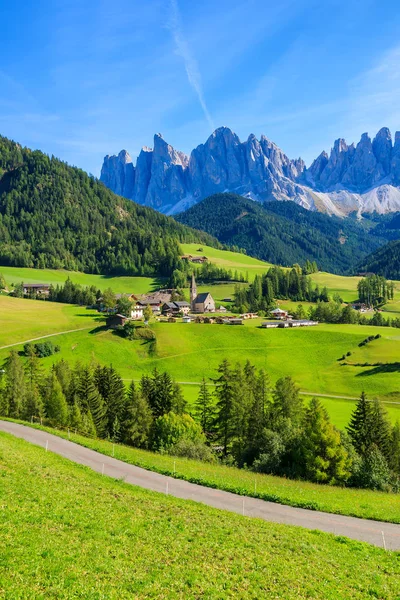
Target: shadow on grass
{"points": [[382, 368], [98, 329]]}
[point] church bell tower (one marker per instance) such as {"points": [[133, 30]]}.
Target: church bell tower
{"points": [[193, 292]]}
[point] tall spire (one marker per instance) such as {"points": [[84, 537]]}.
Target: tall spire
{"points": [[193, 291]]}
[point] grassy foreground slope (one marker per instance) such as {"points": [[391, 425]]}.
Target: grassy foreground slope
{"points": [[366, 504], [70, 533]]}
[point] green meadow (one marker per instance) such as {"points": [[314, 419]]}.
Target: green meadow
{"points": [[119, 285], [68, 532], [192, 351]]}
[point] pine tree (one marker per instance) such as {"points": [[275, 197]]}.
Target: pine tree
{"points": [[361, 427], [381, 428], [258, 415], [112, 390], [287, 402], [14, 392], [138, 420], [325, 460], [75, 418], [55, 403], [205, 409], [33, 403], [91, 401], [224, 392], [159, 392]]}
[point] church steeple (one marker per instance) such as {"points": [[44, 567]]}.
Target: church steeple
{"points": [[193, 292]]}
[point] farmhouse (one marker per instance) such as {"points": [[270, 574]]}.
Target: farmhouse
{"points": [[233, 321], [175, 308], [278, 313], [114, 321], [40, 289], [286, 324]]}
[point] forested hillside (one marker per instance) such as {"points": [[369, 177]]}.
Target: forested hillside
{"points": [[56, 216], [385, 261], [283, 232]]}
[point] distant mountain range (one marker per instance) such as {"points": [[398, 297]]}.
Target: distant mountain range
{"points": [[285, 233], [362, 178]]}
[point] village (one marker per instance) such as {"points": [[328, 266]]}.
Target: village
{"points": [[164, 307], [201, 309]]}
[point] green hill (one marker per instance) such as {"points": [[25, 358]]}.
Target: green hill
{"points": [[283, 232], [68, 532], [56, 216], [385, 261]]}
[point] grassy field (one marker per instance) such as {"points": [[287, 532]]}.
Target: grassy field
{"points": [[191, 351], [120, 285], [365, 504], [22, 319], [243, 264], [68, 533]]}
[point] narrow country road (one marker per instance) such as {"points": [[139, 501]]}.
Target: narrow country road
{"points": [[381, 534], [42, 337]]}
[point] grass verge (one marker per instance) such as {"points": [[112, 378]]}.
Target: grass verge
{"points": [[68, 532]]}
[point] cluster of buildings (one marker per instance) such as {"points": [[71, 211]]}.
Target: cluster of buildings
{"points": [[284, 320], [162, 303]]}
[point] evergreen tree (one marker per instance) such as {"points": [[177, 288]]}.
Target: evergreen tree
{"points": [[225, 394], [91, 401], [55, 403], [33, 403], [112, 390], [14, 392], [258, 415], [205, 409], [75, 417], [138, 419], [287, 402], [324, 458], [361, 426], [381, 428], [159, 392]]}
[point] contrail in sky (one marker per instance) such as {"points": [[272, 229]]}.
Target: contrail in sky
{"points": [[183, 50]]}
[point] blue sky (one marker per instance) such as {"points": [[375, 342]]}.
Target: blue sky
{"points": [[82, 78]]}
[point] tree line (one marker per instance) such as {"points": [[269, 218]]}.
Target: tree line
{"points": [[278, 283], [334, 312], [240, 418], [374, 290]]}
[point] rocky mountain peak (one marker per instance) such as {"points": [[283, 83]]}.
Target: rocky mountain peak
{"points": [[170, 181]]}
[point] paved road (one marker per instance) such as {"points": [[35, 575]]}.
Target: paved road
{"points": [[42, 337], [377, 533]]}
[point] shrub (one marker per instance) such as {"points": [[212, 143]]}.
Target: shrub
{"points": [[195, 450], [169, 429]]}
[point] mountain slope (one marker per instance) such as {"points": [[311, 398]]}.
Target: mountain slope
{"points": [[385, 261], [363, 178], [282, 232], [53, 215]]}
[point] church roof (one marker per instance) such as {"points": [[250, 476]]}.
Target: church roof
{"points": [[200, 298]]}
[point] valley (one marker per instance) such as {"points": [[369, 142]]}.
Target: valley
{"points": [[190, 352]]}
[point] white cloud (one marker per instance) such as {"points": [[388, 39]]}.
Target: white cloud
{"points": [[183, 50]]}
